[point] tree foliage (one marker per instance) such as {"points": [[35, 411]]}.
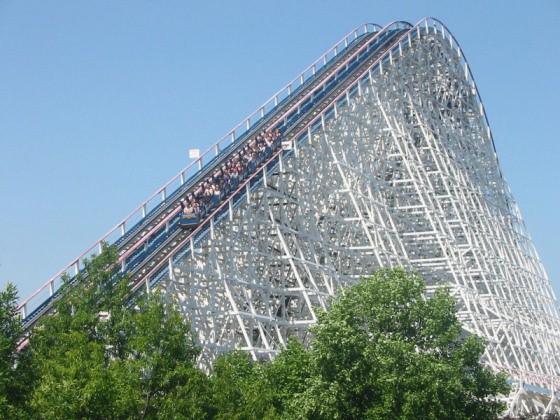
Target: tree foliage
{"points": [[15, 367], [243, 389], [383, 350], [98, 357]]}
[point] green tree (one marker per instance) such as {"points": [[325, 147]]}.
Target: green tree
{"points": [[385, 351], [285, 379], [243, 389], [101, 356], [158, 369], [16, 368], [238, 388], [71, 346]]}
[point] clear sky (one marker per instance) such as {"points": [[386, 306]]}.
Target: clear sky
{"points": [[101, 101]]}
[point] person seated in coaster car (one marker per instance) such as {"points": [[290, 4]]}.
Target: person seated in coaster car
{"points": [[190, 217]]}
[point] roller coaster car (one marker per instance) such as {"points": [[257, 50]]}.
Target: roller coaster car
{"points": [[190, 222]]}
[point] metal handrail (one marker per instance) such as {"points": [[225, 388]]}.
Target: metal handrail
{"points": [[286, 112]]}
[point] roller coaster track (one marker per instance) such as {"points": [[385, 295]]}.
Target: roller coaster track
{"points": [[155, 236], [456, 222]]}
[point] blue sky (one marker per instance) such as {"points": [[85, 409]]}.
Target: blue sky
{"points": [[101, 101]]}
